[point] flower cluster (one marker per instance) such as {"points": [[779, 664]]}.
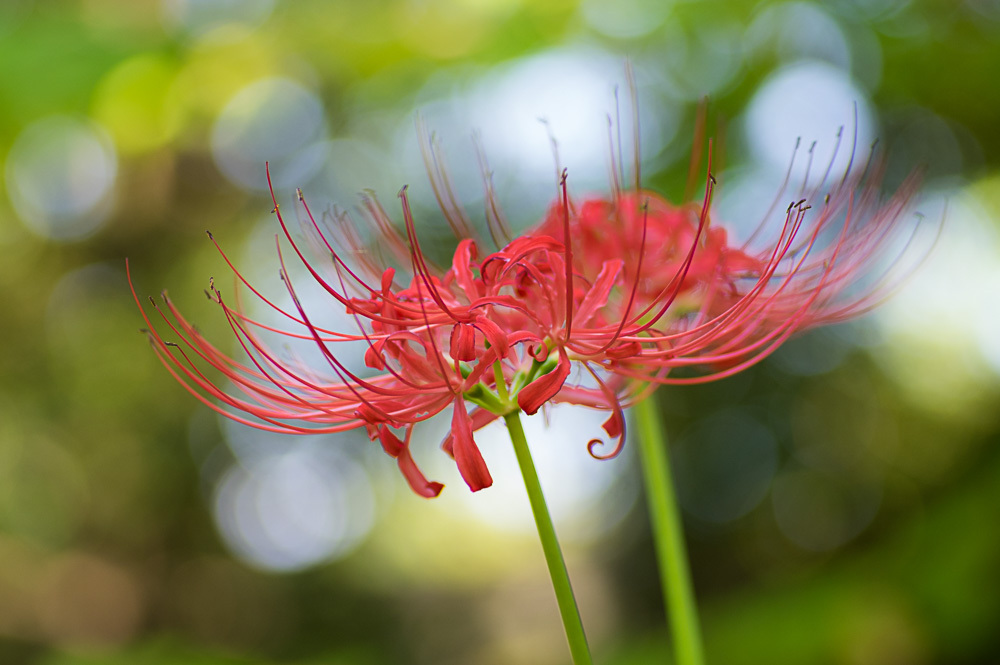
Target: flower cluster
{"points": [[602, 301]]}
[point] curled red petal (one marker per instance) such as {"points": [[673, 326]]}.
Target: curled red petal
{"points": [[470, 461], [614, 425], [418, 482], [391, 443], [541, 390], [494, 334]]}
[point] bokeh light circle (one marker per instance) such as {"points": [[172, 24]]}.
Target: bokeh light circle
{"points": [[586, 496], [60, 173], [275, 120], [566, 95], [809, 100], [291, 510], [201, 16], [796, 30], [136, 102], [625, 19]]}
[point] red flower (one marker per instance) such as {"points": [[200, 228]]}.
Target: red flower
{"points": [[593, 307], [692, 299]]}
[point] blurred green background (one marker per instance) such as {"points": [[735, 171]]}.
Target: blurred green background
{"points": [[842, 498]]}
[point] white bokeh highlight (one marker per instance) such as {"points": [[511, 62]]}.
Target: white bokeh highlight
{"points": [[586, 496], [797, 30], [296, 508], [517, 109], [951, 304], [809, 100], [275, 120], [571, 92], [625, 19], [60, 175]]}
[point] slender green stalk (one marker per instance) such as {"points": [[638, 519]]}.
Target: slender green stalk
{"points": [[668, 534], [550, 545]]}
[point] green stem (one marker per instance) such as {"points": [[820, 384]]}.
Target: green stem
{"points": [[668, 534], [550, 545]]}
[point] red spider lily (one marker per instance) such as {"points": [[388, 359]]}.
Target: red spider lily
{"points": [[595, 306], [692, 299]]}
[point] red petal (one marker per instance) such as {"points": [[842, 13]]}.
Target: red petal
{"points": [[387, 278], [464, 254], [373, 356], [463, 342], [531, 397], [391, 443], [597, 296], [418, 483], [613, 425], [494, 334], [470, 461], [737, 261], [369, 414], [624, 350], [480, 418]]}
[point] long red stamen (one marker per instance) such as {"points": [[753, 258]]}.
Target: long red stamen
{"points": [[568, 244]]}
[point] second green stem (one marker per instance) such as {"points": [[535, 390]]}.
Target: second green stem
{"points": [[668, 535]]}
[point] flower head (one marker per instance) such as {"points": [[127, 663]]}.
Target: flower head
{"points": [[595, 306]]}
